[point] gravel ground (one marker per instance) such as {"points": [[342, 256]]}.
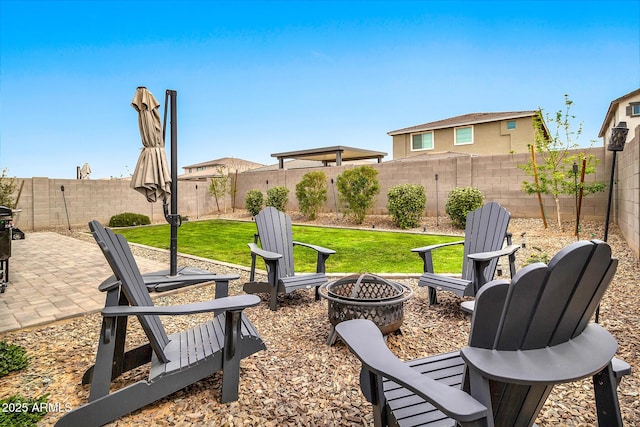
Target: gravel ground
{"points": [[299, 380]]}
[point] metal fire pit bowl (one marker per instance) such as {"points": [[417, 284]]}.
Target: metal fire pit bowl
{"points": [[365, 296]]}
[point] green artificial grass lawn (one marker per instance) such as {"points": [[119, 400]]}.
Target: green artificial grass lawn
{"points": [[357, 251]]}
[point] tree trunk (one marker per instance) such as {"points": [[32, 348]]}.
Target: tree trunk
{"points": [[558, 212]]}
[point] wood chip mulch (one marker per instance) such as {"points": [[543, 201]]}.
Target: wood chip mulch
{"points": [[301, 381]]}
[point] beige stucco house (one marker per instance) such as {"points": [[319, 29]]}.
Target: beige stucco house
{"points": [[215, 168], [624, 109], [475, 133]]}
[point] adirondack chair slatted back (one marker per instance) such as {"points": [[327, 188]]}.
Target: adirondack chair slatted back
{"points": [[485, 230], [543, 306], [276, 235], [117, 252]]}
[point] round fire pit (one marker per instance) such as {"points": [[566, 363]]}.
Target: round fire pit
{"points": [[365, 296]]}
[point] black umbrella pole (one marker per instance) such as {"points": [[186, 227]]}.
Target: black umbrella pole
{"points": [[175, 222]]}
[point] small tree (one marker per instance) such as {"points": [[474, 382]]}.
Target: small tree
{"points": [[555, 175], [278, 197], [406, 203], [7, 188], [219, 186], [254, 201], [311, 193], [358, 188]]}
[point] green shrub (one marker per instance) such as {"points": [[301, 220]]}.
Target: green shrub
{"points": [[127, 219], [7, 187], [358, 189], [311, 193], [406, 203], [12, 358], [460, 202], [21, 411], [253, 201], [537, 255], [278, 197]]}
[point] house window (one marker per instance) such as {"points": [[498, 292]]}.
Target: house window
{"points": [[511, 124], [463, 135], [422, 141], [635, 109]]}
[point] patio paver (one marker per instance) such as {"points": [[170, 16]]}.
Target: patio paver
{"points": [[54, 277]]}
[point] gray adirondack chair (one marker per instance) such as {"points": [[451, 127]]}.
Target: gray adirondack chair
{"points": [[176, 360], [276, 249], [525, 337], [484, 235]]}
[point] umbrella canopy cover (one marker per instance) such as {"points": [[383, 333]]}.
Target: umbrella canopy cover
{"points": [[85, 171], [151, 176]]}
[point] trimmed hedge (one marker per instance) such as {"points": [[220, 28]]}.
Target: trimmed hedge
{"points": [[460, 202], [253, 201], [278, 197], [358, 189], [311, 193], [406, 203], [128, 219]]}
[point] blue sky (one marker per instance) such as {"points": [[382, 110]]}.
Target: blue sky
{"points": [[261, 77]]}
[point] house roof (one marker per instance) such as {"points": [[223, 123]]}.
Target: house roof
{"points": [[291, 164], [201, 175], [612, 109], [464, 120], [209, 168], [227, 161]]}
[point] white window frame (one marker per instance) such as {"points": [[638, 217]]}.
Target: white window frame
{"points": [[455, 135], [634, 108], [433, 142]]}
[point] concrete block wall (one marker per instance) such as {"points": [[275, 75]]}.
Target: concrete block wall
{"points": [[43, 206], [498, 177], [628, 192]]}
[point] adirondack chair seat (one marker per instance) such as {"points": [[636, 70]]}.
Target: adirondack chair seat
{"points": [[276, 249], [289, 284], [176, 360], [526, 336], [485, 232]]}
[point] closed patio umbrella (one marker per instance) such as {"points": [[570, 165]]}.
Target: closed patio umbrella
{"points": [[151, 176]]}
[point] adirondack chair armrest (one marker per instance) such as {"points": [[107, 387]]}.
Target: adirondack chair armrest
{"points": [[440, 245], [268, 256], [319, 249], [581, 357], [217, 278], [488, 256], [239, 302], [365, 340], [168, 283]]}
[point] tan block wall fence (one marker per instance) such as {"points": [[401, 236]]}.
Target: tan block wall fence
{"points": [[628, 196], [498, 177]]}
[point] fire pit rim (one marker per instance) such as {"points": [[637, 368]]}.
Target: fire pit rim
{"points": [[405, 292]]}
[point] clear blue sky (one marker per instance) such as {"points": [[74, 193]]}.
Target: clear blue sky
{"points": [[261, 77]]}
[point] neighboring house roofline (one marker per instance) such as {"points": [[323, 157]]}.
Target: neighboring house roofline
{"points": [[464, 120], [224, 161], [612, 109]]}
